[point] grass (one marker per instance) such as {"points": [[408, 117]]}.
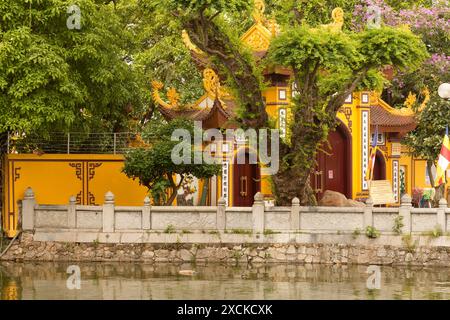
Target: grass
{"points": [[242, 231], [410, 245], [269, 232], [185, 231]]}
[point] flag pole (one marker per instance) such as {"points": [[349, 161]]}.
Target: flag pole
{"points": [[445, 175]]}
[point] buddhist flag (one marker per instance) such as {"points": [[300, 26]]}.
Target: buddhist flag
{"points": [[373, 153], [444, 160]]}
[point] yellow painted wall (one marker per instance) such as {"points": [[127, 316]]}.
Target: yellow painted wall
{"points": [[54, 178]]}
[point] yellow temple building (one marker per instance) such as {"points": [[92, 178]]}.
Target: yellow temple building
{"points": [[56, 177], [343, 167]]}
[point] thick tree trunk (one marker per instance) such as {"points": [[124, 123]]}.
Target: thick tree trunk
{"points": [[208, 37], [296, 163], [290, 183], [174, 188]]}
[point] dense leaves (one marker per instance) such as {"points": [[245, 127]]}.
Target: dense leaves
{"points": [[56, 78], [154, 165]]}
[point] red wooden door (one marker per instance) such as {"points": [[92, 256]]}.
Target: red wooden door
{"points": [[331, 172], [379, 168], [246, 183]]}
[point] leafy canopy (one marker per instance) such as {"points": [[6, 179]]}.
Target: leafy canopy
{"points": [[56, 78], [154, 166]]}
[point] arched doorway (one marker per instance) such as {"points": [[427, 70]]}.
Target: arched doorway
{"points": [[246, 181], [379, 168], [334, 164]]}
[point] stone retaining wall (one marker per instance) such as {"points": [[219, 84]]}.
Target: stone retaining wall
{"points": [[326, 253]]}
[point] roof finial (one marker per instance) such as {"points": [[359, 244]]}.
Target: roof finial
{"points": [[338, 20], [258, 11], [211, 83]]}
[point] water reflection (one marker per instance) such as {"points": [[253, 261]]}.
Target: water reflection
{"points": [[162, 281]]}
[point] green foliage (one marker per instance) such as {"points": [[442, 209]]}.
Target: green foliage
{"points": [[53, 78], [356, 233], [312, 12], [398, 225], [214, 5], [159, 50], [435, 233], [242, 231], [426, 140], [398, 47], [268, 232], [302, 47], [372, 232], [410, 245], [169, 229], [154, 166]]}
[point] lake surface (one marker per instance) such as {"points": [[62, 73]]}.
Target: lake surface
{"points": [[162, 281]]}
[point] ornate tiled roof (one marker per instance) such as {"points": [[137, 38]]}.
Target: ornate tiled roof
{"points": [[218, 114], [391, 122]]}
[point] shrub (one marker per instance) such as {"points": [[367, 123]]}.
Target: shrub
{"points": [[372, 232], [398, 225], [169, 229]]}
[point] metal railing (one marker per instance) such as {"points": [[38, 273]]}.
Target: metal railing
{"points": [[73, 143]]}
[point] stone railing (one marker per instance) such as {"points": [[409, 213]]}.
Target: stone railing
{"points": [[116, 222]]}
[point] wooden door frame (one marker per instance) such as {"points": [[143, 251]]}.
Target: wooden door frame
{"points": [[348, 154], [233, 165]]}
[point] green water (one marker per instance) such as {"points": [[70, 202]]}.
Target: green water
{"points": [[163, 281]]}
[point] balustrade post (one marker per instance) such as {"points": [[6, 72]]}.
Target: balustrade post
{"points": [[72, 213], [221, 214], [108, 213], [405, 212], [294, 218], [28, 204], [258, 213], [146, 214]]}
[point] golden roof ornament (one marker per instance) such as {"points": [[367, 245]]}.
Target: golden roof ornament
{"points": [[211, 83], [338, 20], [410, 100], [172, 95], [426, 94], [188, 43], [258, 11]]}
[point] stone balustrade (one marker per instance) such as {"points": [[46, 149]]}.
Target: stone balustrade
{"points": [[111, 223]]}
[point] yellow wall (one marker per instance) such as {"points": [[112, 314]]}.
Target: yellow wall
{"points": [[54, 178]]}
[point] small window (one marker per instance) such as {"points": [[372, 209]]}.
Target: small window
{"points": [[225, 148], [282, 94], [365, 98]]}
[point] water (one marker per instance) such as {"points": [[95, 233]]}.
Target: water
{"points": [[162, 281]]}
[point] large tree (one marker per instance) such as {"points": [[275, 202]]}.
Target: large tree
{"points": [[55, 76]]}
